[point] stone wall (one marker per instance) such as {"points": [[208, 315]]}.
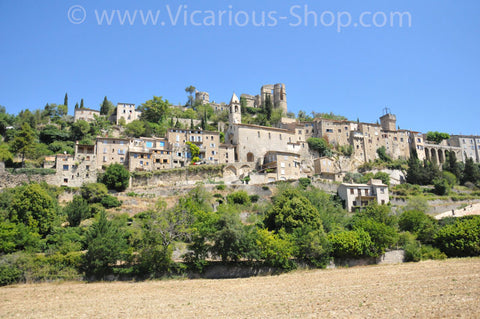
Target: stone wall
{"points": [[8, 180]]}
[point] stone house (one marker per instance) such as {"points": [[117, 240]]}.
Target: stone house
{"points": [[207, 141], [110, 150], [281, 166], [469, 145], [85, 114], [75, 170], [357, 196], [148, 154], [328, 168], [127, 112]]}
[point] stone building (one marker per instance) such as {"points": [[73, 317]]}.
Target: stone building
{"points": [[85, 114], [357, 196], [281, 166], [252, 143], [469, 146], [149, 154], [328, 168], [111, 150], [127, 112], [208, 142], [75, 170]]}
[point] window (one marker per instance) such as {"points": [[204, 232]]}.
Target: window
{"points": [[104, 150], [352, 191], [149, 144], [135, 155], [65, 167], [162, 144], [122, 159], [280, 135], [382, 190], [104, 158], [258, 133], [282, 172], [329, 130], [282, 164], [87, 167]]}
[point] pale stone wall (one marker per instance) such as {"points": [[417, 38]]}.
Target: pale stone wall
{"points": [[85, 114], [111, 150], [128, 112]]}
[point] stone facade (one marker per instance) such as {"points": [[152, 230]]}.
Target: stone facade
{"points": [[75, 170], [127, 112], [85, 114], [328, 168], [111, 150], [281, 166], [359, 195], [149, 154], [469, 145], [208, 142]]}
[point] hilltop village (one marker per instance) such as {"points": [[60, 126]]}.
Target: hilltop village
{"points": [[263, 153]]}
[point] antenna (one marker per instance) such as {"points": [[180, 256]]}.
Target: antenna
{"points": [[386, 111]]}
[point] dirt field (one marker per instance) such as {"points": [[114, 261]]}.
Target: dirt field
{"points": [[432, 289]]}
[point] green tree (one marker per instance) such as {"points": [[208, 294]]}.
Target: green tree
{"points": [[94, 192], [81, 104], [106, 245], [107, 107], [194, 151], [382, 154], [135, 128], [351, 244], [312, 246], [79, 130], [51, 133], [116, 177], [471, 172], [190, 90], [320, 145], [77, 210], [276, 249], [437, 137], [24, 141], [453, 166], [268, 107], [414, 172], [460, 239], [291, 210], [33, 206], [154, 110], [5, 154], [419, 224], [65, 100]]}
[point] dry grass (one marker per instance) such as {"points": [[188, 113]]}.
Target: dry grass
{"points": [[432, 289]]}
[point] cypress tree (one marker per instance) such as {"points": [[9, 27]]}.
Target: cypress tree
{"points": [[81, 104], [65, 100]]}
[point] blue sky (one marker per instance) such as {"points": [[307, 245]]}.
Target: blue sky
{"points": [[426, 73]]}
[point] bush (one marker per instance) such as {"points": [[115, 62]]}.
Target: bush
{"points": [[265, 188], [94, 192], [418, 223], [254, 198], [77, 210], [110, 202], [240, 197], [461, 239], [221, 187], [9, 273], [116, 177], [441, 186], [274, 250], [304, 182], [351, 244]]}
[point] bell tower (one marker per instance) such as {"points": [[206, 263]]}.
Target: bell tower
{"points": [[235, 112]]}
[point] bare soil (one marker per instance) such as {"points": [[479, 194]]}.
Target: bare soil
{"points": [[431, 289]]}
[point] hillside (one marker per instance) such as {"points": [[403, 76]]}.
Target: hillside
{"points": [[430, 289]]}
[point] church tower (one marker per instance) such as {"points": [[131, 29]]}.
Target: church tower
{"points": [[235, 112]]}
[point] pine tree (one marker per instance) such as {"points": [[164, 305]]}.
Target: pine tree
{"points": [[76, 105], [191, 124], [106, 107], [414, 169], [65, 100], [471, 172], [81, 104], [268, 107]]}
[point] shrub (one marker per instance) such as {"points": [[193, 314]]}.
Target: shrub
{"points": [[275, 250], [77, 210], [93, 192], [304, 182], [418, 223], [110, 202], [461, 239], [254, 198], [116, 177], [265, 188], [351, 244], [221, 187], [441, 186], [240, 197]]}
